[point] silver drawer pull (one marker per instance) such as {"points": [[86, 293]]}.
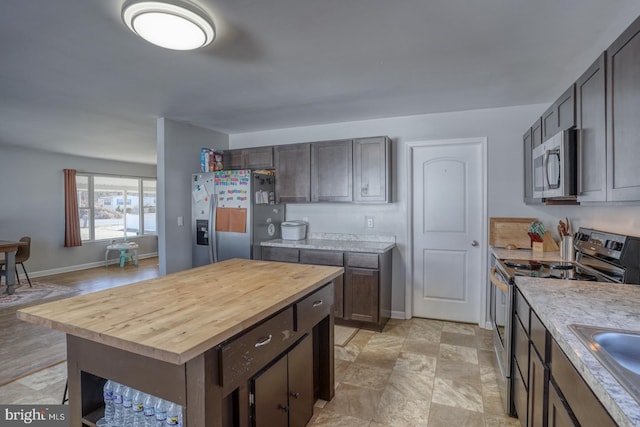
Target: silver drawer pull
{"points": [[264, 341], [317, 303]]}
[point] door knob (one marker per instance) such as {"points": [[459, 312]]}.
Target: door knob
{"points": [[474, 243]]}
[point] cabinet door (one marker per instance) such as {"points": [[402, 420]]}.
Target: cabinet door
{"points": [[361, 295], [519, 396], [538, 383], [527, 139], [371, 158], [332, 171], [258, 158], [623, 126], [293, 173], [561, 115], [536, 133], [592, 133], [559, 414], [232, 160], [300, 373], [270, 393]]}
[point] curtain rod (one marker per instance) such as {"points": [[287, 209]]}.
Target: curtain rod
{"points": [[114, 175]]}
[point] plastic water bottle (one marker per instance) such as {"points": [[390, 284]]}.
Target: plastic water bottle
{"points": [[161, 412], [118, 414], [127, 406], [173, 414], [149, 411], [137, 405], [107, 393]]}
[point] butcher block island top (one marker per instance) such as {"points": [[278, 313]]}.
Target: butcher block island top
{"points": [[176, 317]]}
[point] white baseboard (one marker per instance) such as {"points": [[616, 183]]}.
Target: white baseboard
{"points": [[71, 268], [395, 314]]}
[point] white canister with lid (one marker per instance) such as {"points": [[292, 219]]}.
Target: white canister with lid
{"points": [[294, 230]]}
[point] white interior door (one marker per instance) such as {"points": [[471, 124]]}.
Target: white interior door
{"points": [[448, 212]]}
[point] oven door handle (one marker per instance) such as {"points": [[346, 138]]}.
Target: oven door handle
{"points": [[497, 282]]}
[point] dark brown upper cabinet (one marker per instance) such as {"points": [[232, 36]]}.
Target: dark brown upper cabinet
{"points": [[591, 115], [249, 158], [536, 133], [293, 173], [332, 171], [561, 115], [372, 170], [527, 140], [623, 113]]}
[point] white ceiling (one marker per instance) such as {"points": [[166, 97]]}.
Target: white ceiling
{"points": [[74, 80]]}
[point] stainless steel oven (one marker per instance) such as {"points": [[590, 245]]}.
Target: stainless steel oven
{"points": [[500, 303]]}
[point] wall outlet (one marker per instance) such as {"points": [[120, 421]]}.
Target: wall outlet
{"points": [[180, 221], [369, 221], [305, 219]]}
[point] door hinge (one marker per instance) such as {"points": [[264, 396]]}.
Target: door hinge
{"points": [[251, 399]]}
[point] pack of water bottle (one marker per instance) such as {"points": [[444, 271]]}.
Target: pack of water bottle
{"points": [[127, 407]]}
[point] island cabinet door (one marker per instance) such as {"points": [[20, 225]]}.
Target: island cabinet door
{"points": [[270, 393], [301, 383], [283, 394]]}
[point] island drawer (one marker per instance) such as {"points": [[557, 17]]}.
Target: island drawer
{"points": [[245, 354], [317, 257], [313, 308], [362, 260], [280, 254]]}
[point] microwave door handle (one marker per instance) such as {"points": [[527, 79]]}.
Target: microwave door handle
{"points": [[545, 170]]}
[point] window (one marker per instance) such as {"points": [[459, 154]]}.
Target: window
{"points": [[110, 207]]}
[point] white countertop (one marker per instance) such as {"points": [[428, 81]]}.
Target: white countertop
{"points": [[560, 303], [333, 245]]}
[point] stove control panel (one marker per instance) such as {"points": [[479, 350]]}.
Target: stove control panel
{"points": [[598, 242]]}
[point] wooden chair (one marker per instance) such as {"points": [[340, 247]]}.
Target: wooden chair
{"points": [[22, 255]]}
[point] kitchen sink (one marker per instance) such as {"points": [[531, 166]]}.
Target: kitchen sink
{"points": [[618, 350]]}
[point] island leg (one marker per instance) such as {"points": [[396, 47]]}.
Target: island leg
{"points": [[325, 357]]}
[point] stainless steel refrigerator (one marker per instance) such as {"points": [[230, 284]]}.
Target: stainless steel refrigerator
{"points": [[231, 214]]}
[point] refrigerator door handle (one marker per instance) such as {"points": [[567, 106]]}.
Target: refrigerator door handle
{"points": [[213, 246]]}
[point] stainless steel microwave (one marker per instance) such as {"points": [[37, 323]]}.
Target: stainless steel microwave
{"points": [[554, 166]]}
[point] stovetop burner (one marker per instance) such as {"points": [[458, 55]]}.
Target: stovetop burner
{"points": [[523, 264], [560, 265]]}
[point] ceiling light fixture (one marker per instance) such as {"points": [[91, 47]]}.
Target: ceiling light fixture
{"points": [[176, 25]]}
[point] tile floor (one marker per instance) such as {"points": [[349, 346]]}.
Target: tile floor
{"points": [[417, 372]]}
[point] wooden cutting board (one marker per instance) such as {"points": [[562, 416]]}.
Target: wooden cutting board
{"points": [[510, 231]]}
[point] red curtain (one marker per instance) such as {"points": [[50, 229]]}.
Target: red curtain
{"points": [[71, 215]]}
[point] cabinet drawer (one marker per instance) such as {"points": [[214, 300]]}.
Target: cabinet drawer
{"points": [[584, 404], [280, 254], [523, 310], [321, 257], [521, 349], [538, 335], [362, 260], [243, 355], [313, 308]]}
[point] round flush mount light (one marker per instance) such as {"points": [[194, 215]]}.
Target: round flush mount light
{"points": [[176, 25]]}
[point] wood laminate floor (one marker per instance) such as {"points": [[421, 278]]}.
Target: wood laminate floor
{"points": [[416, 372], [26, 347]]}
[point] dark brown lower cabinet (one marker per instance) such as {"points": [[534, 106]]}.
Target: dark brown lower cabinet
{"points": [[538, 383], [283, 394], [559, 414], [361, 295], [519, 396]]}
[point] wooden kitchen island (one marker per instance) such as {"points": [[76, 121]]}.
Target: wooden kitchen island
{"points": [[237, 343]]}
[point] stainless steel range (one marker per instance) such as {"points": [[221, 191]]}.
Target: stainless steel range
{"points": [[600, 257]]}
